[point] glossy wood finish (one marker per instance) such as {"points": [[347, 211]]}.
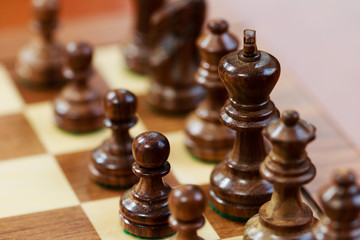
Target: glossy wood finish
{"points": [[187, 204], [78, 106], [174, 60], [111, 162], [206, 137], [341, 202], [144, 209], [39, 63], [288, 167], [138, 51], [249, 76]]}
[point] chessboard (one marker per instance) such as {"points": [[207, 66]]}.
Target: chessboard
{"points": [[45, 188]]}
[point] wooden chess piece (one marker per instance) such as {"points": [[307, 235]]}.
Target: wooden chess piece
{"points": [[78, 106], [39, 63], [341, 202], [138, 50], [111, 162], [236, 189], [206, 137], [187, 204], [174, 60], [288, 167], [144, 209]]}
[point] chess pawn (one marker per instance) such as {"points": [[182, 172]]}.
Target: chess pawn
{"points": [[249, 75], [39, 63], [174, 59], [206, 137], [111, 162], [144, 210], [138, 50], [187, 204], [78, 106], [341, 202], [288, 167]]}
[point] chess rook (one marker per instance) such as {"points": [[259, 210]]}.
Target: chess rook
{"points": [[111, 162], [78, 106], [249, 75], [144, 209], [206, 137], [187, 204], [174, 59], [39, 63], [288, 167], [138, 50], [341, 202]]}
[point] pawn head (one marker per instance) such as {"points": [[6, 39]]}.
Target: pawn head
{"points": [[119, 104], [79, 56], [151, 149], [45, 10], [187, 203]]}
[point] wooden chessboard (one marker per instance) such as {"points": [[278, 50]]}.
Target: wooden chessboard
{"points": [[45, 188]]}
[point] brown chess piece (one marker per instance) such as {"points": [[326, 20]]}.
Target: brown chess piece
{"points": [[111, 162], [206, 137], [341, 202], [138, 50], [144, 209], [78, 106], [174, 60], [288, 167], [236, 188], [187, 204], [39, 63]]}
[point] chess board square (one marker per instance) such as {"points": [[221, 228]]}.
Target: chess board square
{"points": [[17, 138], [33, 184], [75, 167], [8, 94], [186, 168], [110, 63], [56, 140], [104, 215], [224, 227], [31, 95], [55, 224]]}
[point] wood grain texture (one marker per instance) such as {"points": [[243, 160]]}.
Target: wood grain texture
{"points": [[63, 223], [17, 137], [249, 76]]}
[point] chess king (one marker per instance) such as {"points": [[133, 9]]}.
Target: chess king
{"points": [[249, 75]]}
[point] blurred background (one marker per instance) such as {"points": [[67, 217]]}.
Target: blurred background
{"points": [[316, 42]]}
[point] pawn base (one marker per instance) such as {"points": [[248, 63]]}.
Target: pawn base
{"points": [[79, 125], [112, 180], [255, 230], [136, 58], [146, 231]]}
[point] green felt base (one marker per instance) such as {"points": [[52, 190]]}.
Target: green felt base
{"points": [[147, 237], [228, 216]]}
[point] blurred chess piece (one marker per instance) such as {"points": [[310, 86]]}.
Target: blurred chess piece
{"points": [[174, 59], [137, 52], [187, 204], [111, 163], [39, 63], [78, 106], [288, 167], [206, 137], [341, 202]]}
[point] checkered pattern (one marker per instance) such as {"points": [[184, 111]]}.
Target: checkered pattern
{"points": [[46, 191]]}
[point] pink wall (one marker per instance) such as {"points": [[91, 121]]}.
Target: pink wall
{"points": [[317, 43]]}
